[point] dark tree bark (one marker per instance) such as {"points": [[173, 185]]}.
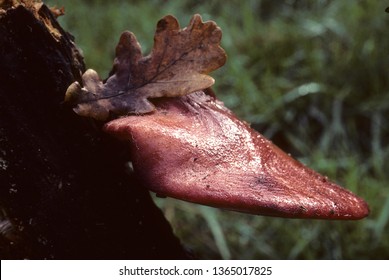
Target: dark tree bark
{"points": [[64, 192]]}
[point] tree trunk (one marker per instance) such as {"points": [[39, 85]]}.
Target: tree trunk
{"points": [[64, 192]]}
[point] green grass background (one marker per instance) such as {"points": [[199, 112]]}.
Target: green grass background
{"points": [[310, 75]]}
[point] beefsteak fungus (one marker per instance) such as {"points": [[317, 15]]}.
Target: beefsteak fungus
{"points": [[186, 144]]}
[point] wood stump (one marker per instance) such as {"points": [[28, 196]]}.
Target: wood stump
{"points": [[64, 191]]}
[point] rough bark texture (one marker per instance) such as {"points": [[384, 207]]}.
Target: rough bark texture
{"points": [[64, 193]]}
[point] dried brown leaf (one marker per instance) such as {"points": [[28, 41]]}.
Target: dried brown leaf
{"points": [[177, 65]]}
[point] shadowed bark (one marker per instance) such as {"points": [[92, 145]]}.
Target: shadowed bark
{"points": [[64, 193]]}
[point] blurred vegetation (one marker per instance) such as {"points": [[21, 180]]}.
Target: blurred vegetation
{"points": [[310, 75]]}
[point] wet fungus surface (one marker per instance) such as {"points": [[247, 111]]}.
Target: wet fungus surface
{"points": [[186, 144]]}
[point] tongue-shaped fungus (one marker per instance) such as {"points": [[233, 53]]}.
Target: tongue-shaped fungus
{"points": [[188, 145]]}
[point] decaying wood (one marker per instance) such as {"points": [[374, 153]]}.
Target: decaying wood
{"points": [[63, 191]]}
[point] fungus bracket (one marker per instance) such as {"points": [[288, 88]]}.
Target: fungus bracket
{"points": [[192, 147]]}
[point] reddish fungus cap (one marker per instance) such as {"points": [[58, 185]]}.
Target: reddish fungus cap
{"points": [[193, 148]]}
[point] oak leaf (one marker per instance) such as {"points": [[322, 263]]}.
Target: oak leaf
{"points": [[177, 65]]}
